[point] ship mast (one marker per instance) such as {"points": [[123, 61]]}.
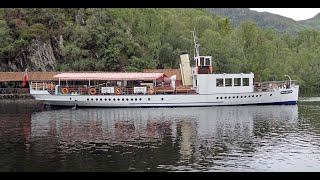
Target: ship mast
{"points": [[203, 64], [196, 45]]}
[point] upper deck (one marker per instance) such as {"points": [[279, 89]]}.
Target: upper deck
{"points": [[110, 83]]}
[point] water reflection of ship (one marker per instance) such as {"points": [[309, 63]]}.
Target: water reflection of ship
{"points": [[231, 130], [191, 130]]}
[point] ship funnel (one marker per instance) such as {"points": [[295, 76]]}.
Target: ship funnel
{"points": [[185, 69]]}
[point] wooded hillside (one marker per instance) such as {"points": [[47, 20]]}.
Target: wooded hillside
{"points": [[136, 39]]}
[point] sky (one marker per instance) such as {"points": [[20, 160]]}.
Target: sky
{"points": [[294, 13]]}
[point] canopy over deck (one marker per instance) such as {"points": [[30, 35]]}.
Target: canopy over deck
{"points": [[109, 76]]}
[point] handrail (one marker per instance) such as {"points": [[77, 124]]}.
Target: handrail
{"points": [[85, 90], [275, 82], [270, 86]]}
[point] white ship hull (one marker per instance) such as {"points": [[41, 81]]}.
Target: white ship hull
{"points": [[287, 96]]}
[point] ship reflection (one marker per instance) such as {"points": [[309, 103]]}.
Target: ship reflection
{"points": [[168, 135]]}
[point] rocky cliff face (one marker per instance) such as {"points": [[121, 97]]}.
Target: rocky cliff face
{"points": [[37, 56]]}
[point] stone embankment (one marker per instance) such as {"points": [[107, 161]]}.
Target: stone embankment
{"points": [[15, 96]]}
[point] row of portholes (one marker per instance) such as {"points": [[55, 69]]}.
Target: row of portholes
{"points": [[114, 99], [233, 97]]}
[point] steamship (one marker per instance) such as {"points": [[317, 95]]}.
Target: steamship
{"points": [[200, 87]]}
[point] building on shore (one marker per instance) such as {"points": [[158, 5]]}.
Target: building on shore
{"points": [[11, 82]]}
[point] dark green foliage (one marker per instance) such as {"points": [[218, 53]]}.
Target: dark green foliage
{"points": [[135, 39], [266, 20]]}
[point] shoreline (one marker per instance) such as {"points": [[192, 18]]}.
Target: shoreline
{"points": [[16, 96]]}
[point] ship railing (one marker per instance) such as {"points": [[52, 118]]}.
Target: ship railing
{"points": [[92, 90], [177, 90], [129, 90], [38, 86], [42, 87], [270, 86]]}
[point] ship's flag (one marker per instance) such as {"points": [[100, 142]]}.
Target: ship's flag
{"points": [[24, 79]]}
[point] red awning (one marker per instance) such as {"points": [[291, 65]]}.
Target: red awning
{"points": [[109, 76]]}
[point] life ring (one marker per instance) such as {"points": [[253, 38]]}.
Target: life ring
{"points": [[151, 91], [65, 90], [92, 91], [118, 91]]}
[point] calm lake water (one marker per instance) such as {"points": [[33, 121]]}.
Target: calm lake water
{"points": [[235, 138]]}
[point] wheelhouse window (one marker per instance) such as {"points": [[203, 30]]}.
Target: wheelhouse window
{"points": [[228, 81], [237, 81], [219, 82], [201, 61], [245, 82], [208, 62]]}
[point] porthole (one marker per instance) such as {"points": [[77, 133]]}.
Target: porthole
{"points": [[225, 97], [149, 99], [109, 99], [162, 99], [70, 98], [260, 95], [105, 99], [257, 95], [87, 99], [122, 99], [252, 96], [229, 97], [217, 97], [100, 99], [248, 96], [135, 99], [118, 99], [91, 99], [237, 96], [270, 94], [127, 99], [241, 96], [131, 99], [233, 97], [245, 96], [114, 99], [140, 99], [220, 97]]}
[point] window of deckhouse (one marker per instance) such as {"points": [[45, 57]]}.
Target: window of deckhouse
{"points": [[219, 82], [245, 82], [208, 62], [201, 61], [228, 81], [237, 81]]}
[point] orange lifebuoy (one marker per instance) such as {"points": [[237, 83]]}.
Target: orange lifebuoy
{"points": [[151, 91], [118, 91], [92, 91], [65, 90]]}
